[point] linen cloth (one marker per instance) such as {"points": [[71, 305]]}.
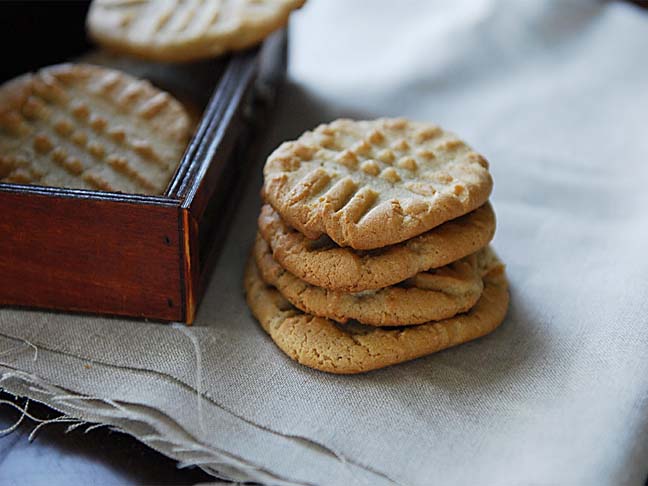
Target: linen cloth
{"points": [[555, 95]]}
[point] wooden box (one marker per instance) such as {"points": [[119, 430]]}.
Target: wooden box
{"points": [[121, 254]]}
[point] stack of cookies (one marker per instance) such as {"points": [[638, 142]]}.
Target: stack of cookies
{"points": [[373, 246]]}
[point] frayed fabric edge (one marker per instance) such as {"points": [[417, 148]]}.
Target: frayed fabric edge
{"points": [[80, 410], [201, 396]]}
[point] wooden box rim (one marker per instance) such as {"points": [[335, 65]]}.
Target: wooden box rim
{"points": [[184, 184], [193, 213]]}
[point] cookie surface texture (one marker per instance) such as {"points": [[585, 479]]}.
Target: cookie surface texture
{"points": [[86, 127], [370, 184], [427, 296], [346, 349], [324, 264], [185, 30]]}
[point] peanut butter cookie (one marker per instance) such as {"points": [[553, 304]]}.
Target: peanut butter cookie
{"points": [[324, 264], [369, 184], [185, 30], [88, 127], [353, 348], [427, 296]]}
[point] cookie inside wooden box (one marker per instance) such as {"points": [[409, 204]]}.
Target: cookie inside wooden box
{"points": [[136, 234]]}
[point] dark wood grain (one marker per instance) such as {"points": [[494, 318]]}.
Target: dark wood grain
{"points": [[119, 254], [210, 191], [90, 255]]}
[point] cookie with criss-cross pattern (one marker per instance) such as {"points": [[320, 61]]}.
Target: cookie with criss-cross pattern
{"points": [[323, 263], [324, 345], [427, 296], [184, 30], [370, 184], [88, 127]]}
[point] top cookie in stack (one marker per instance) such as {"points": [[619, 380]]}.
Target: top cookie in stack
{"points": [[369, 184], [372, 224]]}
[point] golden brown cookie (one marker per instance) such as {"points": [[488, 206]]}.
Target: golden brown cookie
{"points": [[344, 349], [324, 264], [83, 126], [185, 30], [427, 296], [178, 81], [369, 184]]}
